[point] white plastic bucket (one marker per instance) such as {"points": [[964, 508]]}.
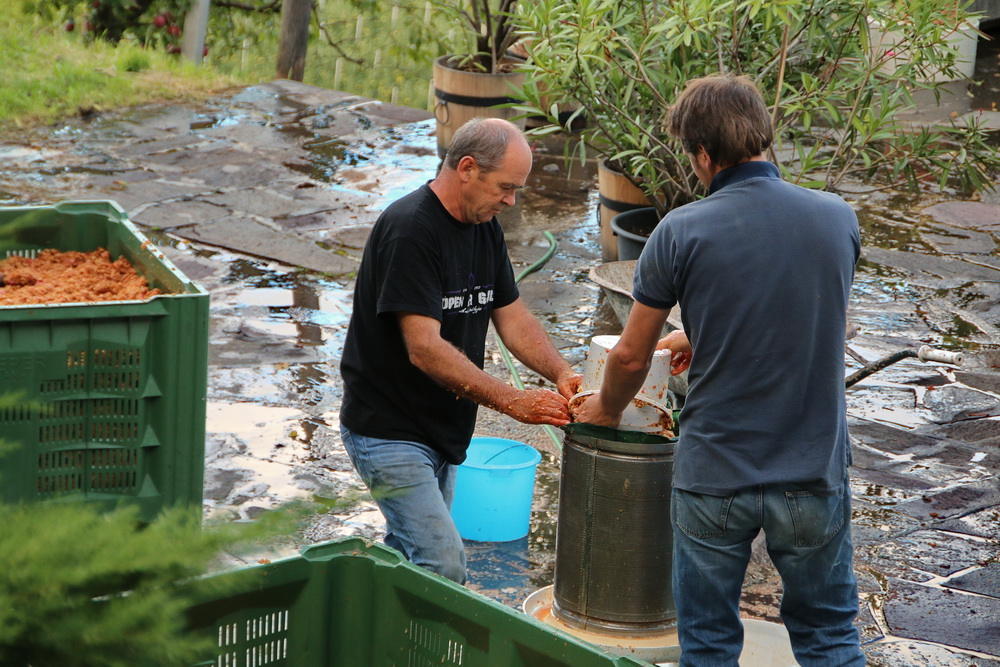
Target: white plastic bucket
{"points": [[654, 389]]}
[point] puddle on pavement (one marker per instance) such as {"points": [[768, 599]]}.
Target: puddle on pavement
{"points": [[388, 165], [327, 158]]}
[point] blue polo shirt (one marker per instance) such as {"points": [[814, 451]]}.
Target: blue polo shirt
{"points": [[762, 270]]}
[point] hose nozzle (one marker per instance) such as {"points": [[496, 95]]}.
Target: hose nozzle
{"points": [[928, 353]]}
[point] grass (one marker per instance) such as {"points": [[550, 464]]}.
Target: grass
{"points": [[383, 50], [55, 74]]}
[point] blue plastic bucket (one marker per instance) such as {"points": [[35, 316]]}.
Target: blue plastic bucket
{"points": [[493, 490]]}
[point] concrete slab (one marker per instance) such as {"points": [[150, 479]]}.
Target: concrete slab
{"points": [[115, 188], [907, 653], [925, 554], [134, 198], [255, 238], [254, 201], [885, 473], [160, 144], [193, 267], [944, 616], [985, 381], [238, 174], [955, 241], [984, 581], [393, 114], [173, 214], [328, 207], [154, 121], [209, 154], [984, 523], [954, 502], [967, 214], [972, 430], [256, 136], [248, 350], [884, 488], [929, 270], [978, 461], [264, 98], [953, 403], [354, 236], [885, 438], [312, 96]]}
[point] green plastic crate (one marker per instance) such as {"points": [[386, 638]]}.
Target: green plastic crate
{"points": [[104, 402], [359, 604]]}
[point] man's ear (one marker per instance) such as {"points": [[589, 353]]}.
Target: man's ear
{"points": [[467, 168], [703, 158]]}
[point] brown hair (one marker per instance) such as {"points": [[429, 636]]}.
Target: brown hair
{"points": [[726, 115]]}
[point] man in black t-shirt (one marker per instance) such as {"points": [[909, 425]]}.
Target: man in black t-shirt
{"points": [[434, 274]]}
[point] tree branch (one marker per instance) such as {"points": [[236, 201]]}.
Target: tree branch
{"points": [[272, 6], [330, 40]]}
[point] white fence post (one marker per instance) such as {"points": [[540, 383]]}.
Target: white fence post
{"points": [[195, 30]]}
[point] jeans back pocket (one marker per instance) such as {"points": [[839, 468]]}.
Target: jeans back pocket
{"points": [[700, 515], [816, 519]]}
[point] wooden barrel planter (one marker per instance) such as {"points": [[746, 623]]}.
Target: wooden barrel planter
{"points": [[617, 195], [462, 96]]}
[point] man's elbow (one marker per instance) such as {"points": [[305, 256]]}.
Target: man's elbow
{"points": [[629, 363], [420, 355]]}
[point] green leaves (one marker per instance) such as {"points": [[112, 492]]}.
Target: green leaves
{"points": [[84, 589], [838, 112]]}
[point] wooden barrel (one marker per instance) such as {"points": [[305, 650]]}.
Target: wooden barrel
{"points": [[462, 96], [617, 195]]}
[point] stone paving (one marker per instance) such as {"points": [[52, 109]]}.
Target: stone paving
{"points": [[294, 175]]}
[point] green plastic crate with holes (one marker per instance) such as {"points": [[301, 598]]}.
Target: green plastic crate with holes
{"points": [[104, 401], [361, 604]]}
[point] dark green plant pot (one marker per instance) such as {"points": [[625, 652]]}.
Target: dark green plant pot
{"points": [[632, 229]]}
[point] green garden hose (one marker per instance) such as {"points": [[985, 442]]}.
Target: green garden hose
{"points": [[549, 430]]}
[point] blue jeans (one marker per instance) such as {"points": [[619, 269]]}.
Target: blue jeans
{"points": [[413, 486], [809, 541]]}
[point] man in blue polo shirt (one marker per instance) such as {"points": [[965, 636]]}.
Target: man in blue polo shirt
{"points": [[762, 270]]}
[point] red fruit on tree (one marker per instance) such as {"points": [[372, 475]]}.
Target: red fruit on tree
{"points": [[173, 48], [174, 30], [160, 21], [70, 26]]}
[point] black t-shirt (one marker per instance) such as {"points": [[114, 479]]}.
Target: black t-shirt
{"points": [[420, 259]]}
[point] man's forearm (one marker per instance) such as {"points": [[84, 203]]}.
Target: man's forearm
{"points": [[453, 370], [524, 336], [541, 356], [622, 381]]}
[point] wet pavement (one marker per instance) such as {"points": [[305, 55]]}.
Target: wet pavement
{"points": [[266, 196]]}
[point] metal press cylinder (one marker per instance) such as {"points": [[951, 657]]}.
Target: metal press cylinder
{"points": [[613, 539]]}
